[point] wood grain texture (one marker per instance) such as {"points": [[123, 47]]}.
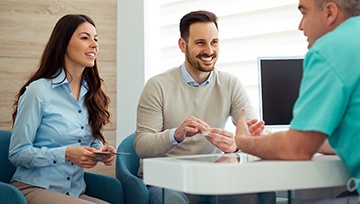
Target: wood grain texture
{"points": [[25, 27]]}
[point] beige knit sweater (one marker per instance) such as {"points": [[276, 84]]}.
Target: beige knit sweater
{"points": [[167, 100]]}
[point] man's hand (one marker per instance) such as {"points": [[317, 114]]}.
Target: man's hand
{"points": [[255, 127], [190, 127], [243, 128], [222, 139]]}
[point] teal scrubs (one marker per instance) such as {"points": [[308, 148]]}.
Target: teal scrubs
{"points": [[329, 98]]}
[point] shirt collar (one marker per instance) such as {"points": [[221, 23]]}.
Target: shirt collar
{"points": [[62, 80], [59, 79], [189, 80]]}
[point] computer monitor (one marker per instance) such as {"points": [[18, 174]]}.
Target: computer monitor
{"points": [[279, 82]]}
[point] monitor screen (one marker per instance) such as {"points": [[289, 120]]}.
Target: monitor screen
{"points": [[279, 83]]}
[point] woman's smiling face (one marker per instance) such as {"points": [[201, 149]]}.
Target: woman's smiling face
{"points": [[82, 48]]}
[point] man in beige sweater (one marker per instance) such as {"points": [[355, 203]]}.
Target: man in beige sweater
{"points": [[184, 110]]}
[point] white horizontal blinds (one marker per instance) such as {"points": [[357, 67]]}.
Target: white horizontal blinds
{"points": [[248, 29]]}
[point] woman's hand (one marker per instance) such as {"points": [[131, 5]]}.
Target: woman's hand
{"points": [[81, 156], [107, 159]]}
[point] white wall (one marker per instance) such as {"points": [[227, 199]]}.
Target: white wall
{"points": [[130, 64]]}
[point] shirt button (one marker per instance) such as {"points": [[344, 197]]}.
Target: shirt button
{"points": [[67, 193], [82, 127], [54, 162], [79, 141], [68, 178], [79, 111]]}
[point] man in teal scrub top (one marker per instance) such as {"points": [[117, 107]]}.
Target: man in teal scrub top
{"points": [[328, 106]]}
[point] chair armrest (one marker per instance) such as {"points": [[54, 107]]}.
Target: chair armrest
{"points": [[10, 194], [104, 187], [135, 187]]}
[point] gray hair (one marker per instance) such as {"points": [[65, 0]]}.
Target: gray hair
{"points": [[350, 7]]}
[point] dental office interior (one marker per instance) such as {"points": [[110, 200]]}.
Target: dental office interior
{"points": [[138, 39]]}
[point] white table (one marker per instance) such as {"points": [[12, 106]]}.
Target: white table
{"points": [[200, 174]]}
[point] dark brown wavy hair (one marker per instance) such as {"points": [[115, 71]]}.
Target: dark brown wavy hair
{"points": [[53, 61]]}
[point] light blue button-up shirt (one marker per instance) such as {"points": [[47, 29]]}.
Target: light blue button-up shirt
{"points": [[49, 119], [189, 80], [187, 77]]}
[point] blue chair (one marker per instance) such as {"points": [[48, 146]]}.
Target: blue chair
{"points": [[99, 186], [127, 167]]}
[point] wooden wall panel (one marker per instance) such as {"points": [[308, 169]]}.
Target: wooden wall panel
{"points": [[25, 27]]}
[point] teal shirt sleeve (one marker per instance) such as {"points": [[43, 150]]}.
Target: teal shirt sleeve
{"points": [[322, 96]]}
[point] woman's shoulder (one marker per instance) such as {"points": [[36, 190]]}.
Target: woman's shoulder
{"points": [[42, 82], [39, 85]]}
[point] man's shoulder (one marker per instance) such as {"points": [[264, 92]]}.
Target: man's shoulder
{"points": [[170, 72], [225, 77], [165, 78], [348, 30], [221, 73], [167, 75]]}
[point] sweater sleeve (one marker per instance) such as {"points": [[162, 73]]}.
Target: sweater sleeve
{"points": [[151, 140], [239, 100]]}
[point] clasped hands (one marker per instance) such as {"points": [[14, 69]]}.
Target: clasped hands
{"points": [[222, 139]]}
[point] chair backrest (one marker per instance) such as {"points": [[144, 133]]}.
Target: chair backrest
{"points": [[130, 162], [127, 168], [7, 170]]}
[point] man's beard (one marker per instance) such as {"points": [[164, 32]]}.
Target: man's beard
{"points": [[194, 63]]}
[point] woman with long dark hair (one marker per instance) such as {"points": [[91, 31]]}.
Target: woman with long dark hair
{"points": [[58, 118]]}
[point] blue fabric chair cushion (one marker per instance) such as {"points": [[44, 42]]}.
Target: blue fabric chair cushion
{"points": [[127, 167]]}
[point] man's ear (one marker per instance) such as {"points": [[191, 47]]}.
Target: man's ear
{"points": [[182, 45], [332, 13]]}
